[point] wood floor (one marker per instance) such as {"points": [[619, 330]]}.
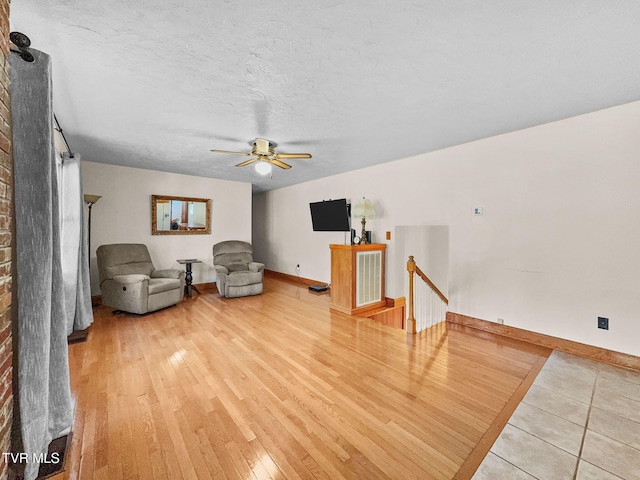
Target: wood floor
{"points": [[277, 386]]}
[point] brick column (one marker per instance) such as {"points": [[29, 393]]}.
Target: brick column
{"points": [[6, 217]]}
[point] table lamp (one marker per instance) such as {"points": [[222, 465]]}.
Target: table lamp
{"points": [[364, 209]]}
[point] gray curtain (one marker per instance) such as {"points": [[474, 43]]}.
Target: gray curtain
{"points": [[43, 408]]}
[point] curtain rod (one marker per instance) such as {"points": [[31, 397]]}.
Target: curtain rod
{"points": [[22, 42], [59, 129]]}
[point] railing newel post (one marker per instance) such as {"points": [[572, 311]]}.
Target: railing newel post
{"points": [[411, 321]]}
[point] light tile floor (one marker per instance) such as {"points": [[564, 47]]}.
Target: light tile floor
{"points": [[580, 420]]}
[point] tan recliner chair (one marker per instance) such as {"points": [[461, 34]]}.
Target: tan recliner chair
{"points": [[237, 275], [129, 281]]}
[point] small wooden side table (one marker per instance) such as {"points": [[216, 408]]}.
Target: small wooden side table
{"points": [[188, 277]]}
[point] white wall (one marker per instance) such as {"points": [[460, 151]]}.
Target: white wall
{"points": [[429, 246], [558, 245], [123, 214]]}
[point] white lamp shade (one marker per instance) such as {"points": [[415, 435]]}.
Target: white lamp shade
{"points": [[263, 168], [363, 209], [92, 198]]}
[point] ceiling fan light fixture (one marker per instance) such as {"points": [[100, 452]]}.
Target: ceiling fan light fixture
{"points": [[263, 167], [264, 157]]}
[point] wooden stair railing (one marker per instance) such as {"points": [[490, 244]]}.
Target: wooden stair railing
{"points": [[412, 268]]}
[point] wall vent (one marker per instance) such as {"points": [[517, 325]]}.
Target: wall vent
{"points": [[368, 282]]}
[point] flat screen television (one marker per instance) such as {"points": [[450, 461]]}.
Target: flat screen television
{"points": [[330, 216]]}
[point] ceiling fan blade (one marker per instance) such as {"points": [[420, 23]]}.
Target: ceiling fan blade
{"points": [[232, 153], [280, 164], [247, 162], [293, 155]]}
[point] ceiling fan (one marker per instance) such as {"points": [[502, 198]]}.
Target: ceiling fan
{"points": [[263, 155]]}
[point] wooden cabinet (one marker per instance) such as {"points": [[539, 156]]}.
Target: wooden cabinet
{"points": [[357, 278]]}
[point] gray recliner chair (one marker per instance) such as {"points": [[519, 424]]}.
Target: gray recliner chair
{"points": [[129, 281], [237, 275]]}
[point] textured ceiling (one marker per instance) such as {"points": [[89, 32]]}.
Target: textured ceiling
{"points": [[157, 84]]}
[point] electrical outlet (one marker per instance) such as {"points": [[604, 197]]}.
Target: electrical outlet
{"points": [[297, 267], [603, 323], [501, 321]]}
